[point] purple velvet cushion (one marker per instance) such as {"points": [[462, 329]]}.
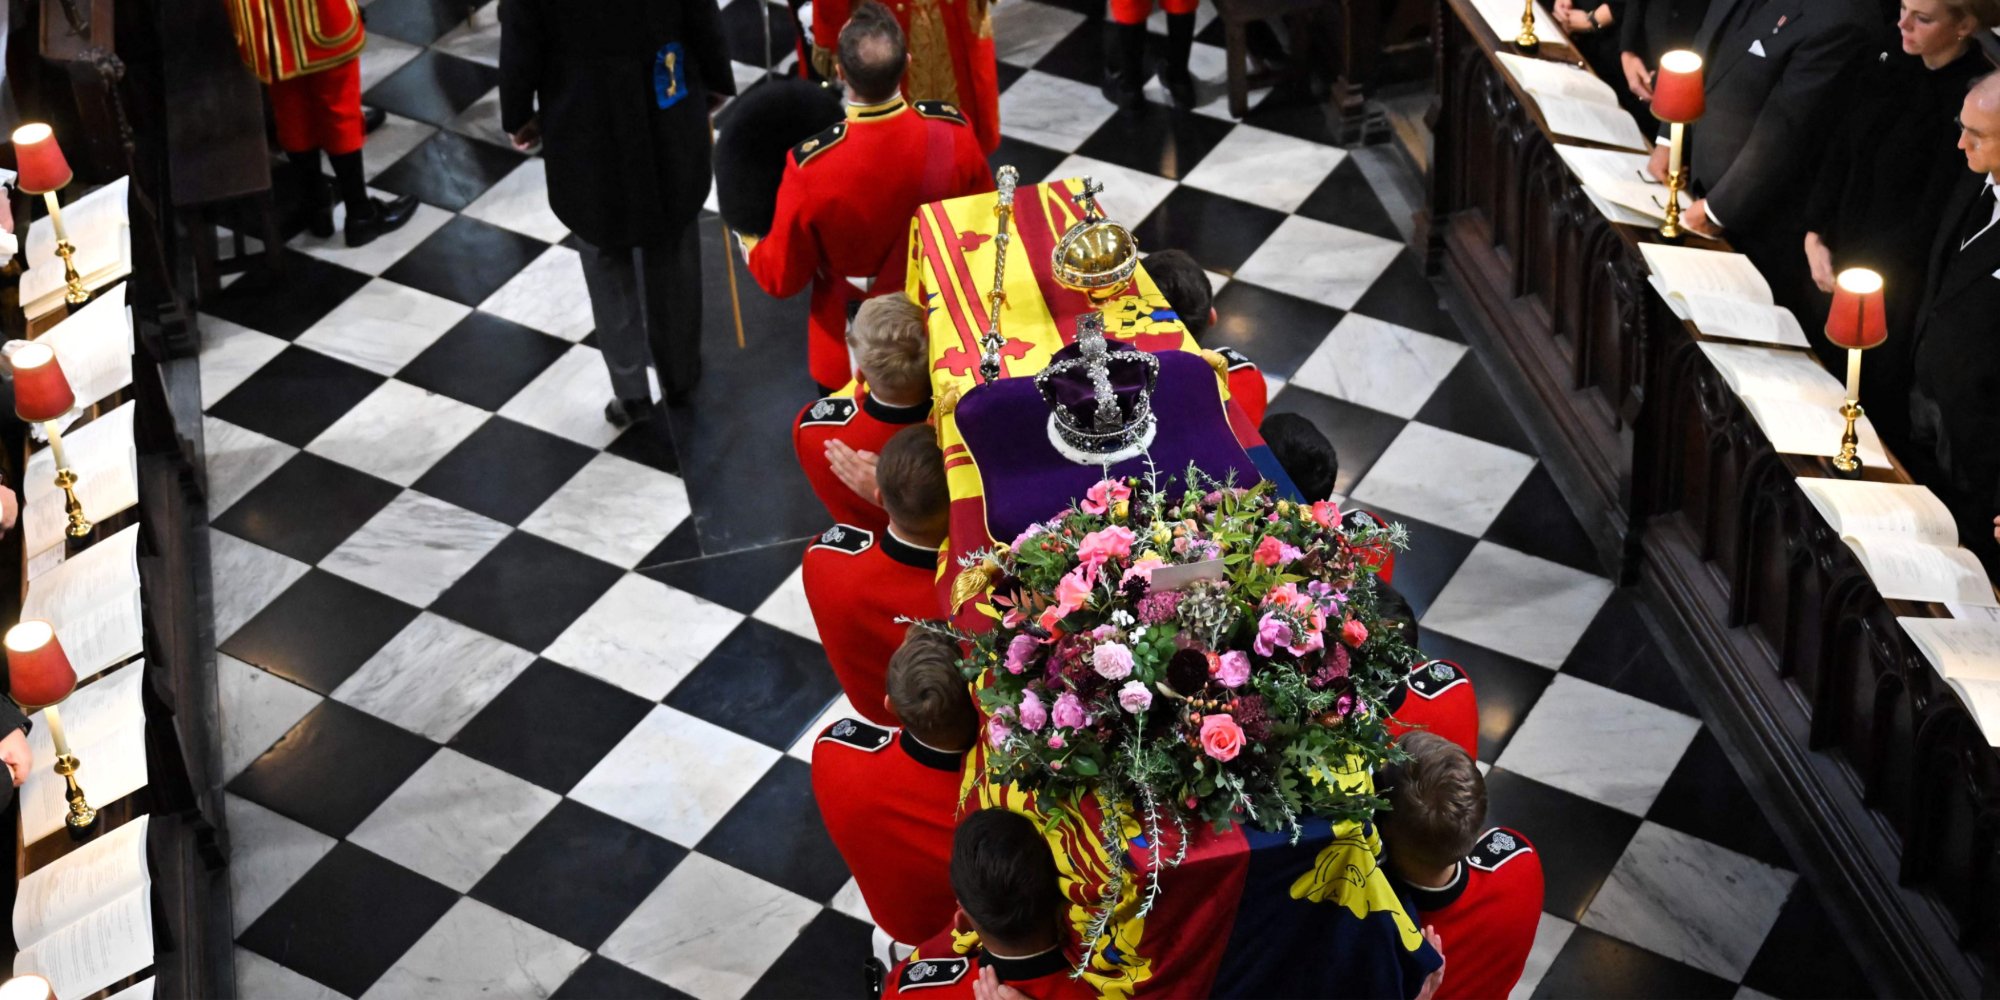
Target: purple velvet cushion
{"points": [[1005, 426], [1073, 391]]}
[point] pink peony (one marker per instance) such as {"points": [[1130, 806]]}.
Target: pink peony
{"points": [[1112, 661], [1105, 544], [1272, 633], [1020, 652], [1069, 712], [1232, 669], [1034, 715], [1221, 737], [997, 731], [1354, 633], [1134, 697], [1106, 494], [1326, 513]]}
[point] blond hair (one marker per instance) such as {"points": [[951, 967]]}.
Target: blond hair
{"points": [[890, 345]]}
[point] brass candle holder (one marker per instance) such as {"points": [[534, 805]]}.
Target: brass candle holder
{"points": [[1671, 228], [1848, 462], [1526, 39], [1856, 322], [77, 294], [81, 815], [39, 674]]}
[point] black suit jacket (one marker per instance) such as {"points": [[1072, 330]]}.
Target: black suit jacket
{"points": [[622, 171], [1650, 28], [1956, 404], [1753, 151]]}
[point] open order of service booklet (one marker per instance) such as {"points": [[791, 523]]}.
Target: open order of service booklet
{"points": [[1723, 293], [1574, 102], [93, 600], [99, 225], [105, 457], [1906, 539], [105, 724], [1967, 655], [1795, 402], [85, 920]]}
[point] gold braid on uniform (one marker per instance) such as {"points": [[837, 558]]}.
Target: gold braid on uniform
{"points": [[930, 76]]}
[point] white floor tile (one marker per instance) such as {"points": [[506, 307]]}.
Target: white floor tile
{"points": [[709, 929], [394, 140], [247, 577], [520, 202], [257, 708], [1265, 168], [1444, 478], [567, 399], [1380, 365], [1024, 32], [433, 677], [1315, 260], [383, 327], [643, 636], [1129, 195], [238, 459], [257, 976], [548, 295], [1690, 900], [481, 120], [476, 38], [415, 548], [614, 509], [230, 354], [787, 608], [1051, 111], [398, 432], [383, 56], [267, 855], [454, 819], [675, 776], [1606, 746], [475, 952], [1518, 604]]}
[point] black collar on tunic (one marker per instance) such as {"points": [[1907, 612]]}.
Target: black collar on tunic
{"points": [[1427, 899], [895, 414], [1016, 970], [931, 757], [909, 555]]}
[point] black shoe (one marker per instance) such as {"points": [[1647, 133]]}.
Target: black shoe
{"points": [[1180, 87], [384, 217], [623, 413], [1174, 67], [372, 118]]}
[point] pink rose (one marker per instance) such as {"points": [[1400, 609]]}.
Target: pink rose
{"points": [[1221, 737], [1134, 697], [1269, 551], [1069, 712], [1056, 741], [1354, 633], [1034, 715], [1104, 545], [1344, 704], [1143, 569], [997, 731], [1073, 591], [1272, 633], [1020, 652], [1326, 513], [1232, 669], [1112, 661], [1104, 496]]}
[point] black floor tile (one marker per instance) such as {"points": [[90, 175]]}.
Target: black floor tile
{"points": [[1507, 688], [774, 832], [1276, 330], [603, 979], [527, 590], [349, 919], [1359, 435], [296, 395], [320, 630], [1618, 652], [504, 470], [1467, 402], [1157, 140], [1291, 108], [739, 581], [1802, 957], [286, 306], [551, 725], [1580, 841], [434, 87], [743, 32], [650, 444], [1538, 521], [579, 873], [1594, 964], [1220, 233], [308, 507], [1005, 74], [1344, 199], [682, 543], [825, 961], [1403, 296], [1036, 163], [419, 22], [449, 170], [1705, 797], [332, 770], [1080, 55], [466, 260], [761, 682], [1433, 556], [484, 361]]}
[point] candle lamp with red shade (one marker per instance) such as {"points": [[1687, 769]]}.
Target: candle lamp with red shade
{"points": [[1678, 101], [39, 676], [44, 171], [1857, 322], [42, 394]]}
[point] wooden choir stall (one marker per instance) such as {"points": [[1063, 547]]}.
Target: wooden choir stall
{"points": [[1675, 448]]}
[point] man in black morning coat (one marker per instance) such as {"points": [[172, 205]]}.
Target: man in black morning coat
{"points": [[619, 94]]}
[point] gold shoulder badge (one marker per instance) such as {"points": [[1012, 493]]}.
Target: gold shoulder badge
{"points": [[940, 109], [819, 144]]}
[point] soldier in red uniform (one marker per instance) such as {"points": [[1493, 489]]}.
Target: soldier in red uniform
{"points": [[1125, 72], [308, 52], [951, 56], [843, 218], [1481, 891], [858, 582], [890, 799], [1009, 920], [1192, 295], [891, 348], [1437, 697]]}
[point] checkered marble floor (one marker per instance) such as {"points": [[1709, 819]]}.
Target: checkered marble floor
{"points": [[515, 704]]}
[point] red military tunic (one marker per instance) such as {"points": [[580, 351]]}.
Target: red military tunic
{"points": [[282, 39], [1247, 387], [857, 583], [1437, 696], [890, 804], [1487, 916], [844, 209], [935, 971], [951, 55], [866, 425]]}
